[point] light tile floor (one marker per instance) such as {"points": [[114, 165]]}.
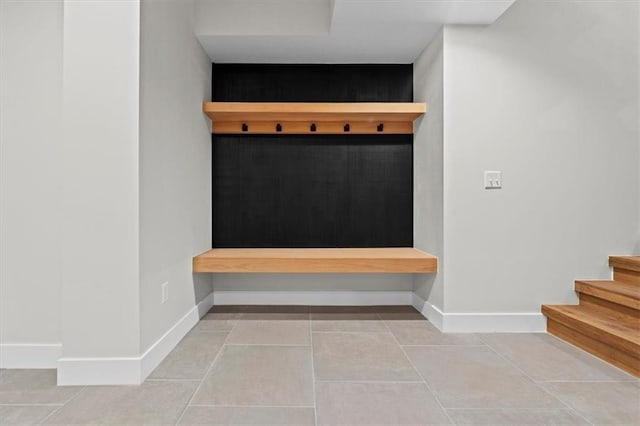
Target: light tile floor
{"points": [[341, 365]]}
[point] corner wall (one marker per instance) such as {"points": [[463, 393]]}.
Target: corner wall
{"points": [[428, 219], [30, 182], [100, 295], [549, 95], [175, 165]]}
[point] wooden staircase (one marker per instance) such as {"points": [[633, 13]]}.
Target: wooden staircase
{"points": [[606, 323]]}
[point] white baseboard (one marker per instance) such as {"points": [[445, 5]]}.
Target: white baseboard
{"points": [[25, 355], [99, 371], [481, 322], [129, 370], [340, 298], [153, 356]]}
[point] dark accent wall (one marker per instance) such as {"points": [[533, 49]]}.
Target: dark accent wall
{"points": [[312, 83], [312, 190]]}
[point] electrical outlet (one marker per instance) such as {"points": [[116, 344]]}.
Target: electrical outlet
{"points": [[492, 179], [165, 292]]}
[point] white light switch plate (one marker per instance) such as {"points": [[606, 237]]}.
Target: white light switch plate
{"points": [[492, 179]]}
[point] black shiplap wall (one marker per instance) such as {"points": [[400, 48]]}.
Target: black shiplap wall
{"points": [[312, 190]]}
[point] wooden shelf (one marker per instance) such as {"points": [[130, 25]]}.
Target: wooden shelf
{"points": [[310, 260], [298, 117]]}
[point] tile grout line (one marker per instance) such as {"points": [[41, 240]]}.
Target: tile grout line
{"points": [[22, 404], [570, 408], [51, 414], [286, 345], [204, 376], [393, 382], [250, 406], [313, 373], [584, 381], [420, 375]]}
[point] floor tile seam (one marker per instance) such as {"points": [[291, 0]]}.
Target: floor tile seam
{"points": [[587, 381], [313, 374], [150, 377], [351, 332], [426, 384], [384, 321], [30, 404], [508, 361], [211, 331], [53, 413], [248, 406], [446, 346], [506, 409], [394, 382], [194, 331], [286, 345], [184, 410]]}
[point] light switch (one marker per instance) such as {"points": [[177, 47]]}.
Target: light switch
{"points": [[492, 179]]}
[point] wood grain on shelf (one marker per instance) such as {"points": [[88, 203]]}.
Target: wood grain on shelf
{"points": [[297, 117], [309, 260], [314, 111]]}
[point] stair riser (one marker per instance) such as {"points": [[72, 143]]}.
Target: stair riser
{"points": [[600, 335], [603, 351], [626, 276], [587, 299]]}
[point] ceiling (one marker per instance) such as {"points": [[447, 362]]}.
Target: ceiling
{"points": [[330, 31]]}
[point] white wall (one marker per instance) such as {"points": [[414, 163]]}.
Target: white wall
{"points": [[100, 307], [549, 95], [175, 165], [428, 226], [636, 249], [30, 170]]}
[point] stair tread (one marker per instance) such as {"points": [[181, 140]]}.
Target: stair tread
{"points": [[630, 263], [617, 290], [614, 323]]}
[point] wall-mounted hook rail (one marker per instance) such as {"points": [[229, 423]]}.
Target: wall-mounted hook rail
{"points": [[312, 118]]}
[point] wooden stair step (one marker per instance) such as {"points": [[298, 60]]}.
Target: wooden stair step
{"points": [[618, 292], [619, 358], [630, 263], [604, 325], [626, 268]]}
